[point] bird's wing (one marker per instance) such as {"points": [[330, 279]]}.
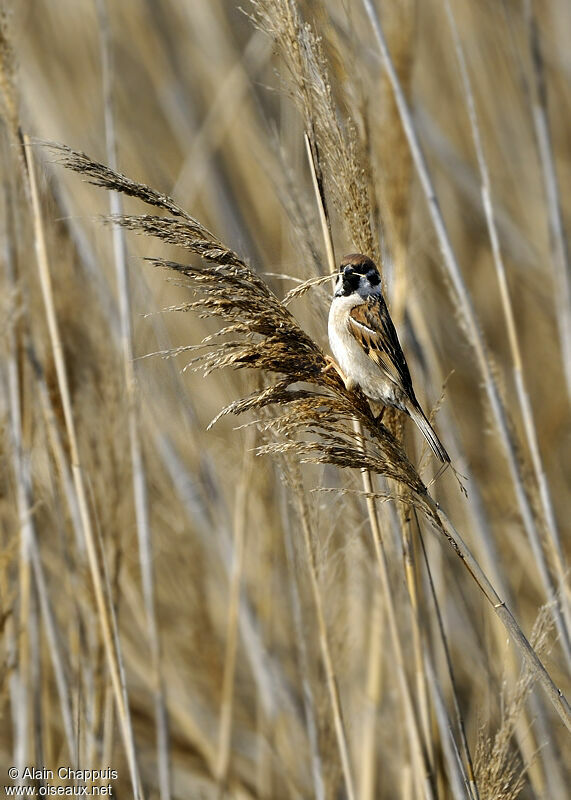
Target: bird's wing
{"points": [[372, 327]]}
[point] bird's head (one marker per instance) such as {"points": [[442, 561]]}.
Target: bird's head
{"points": [[357, 273]]}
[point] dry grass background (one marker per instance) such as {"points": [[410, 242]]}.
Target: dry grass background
{"points": [[187, 605]]}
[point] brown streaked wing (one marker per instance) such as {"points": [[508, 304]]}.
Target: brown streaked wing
{"points": [[371, 325]]}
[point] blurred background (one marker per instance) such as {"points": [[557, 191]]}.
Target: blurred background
{"points": [[205, 576]]}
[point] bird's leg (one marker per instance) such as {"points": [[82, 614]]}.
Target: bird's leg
{"points": [[349, 383], [332, 364]]}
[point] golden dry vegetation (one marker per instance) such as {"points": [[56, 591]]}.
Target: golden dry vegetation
{"points": [[291, 603]]}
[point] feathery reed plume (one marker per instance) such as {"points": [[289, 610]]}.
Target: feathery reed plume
{"points": [[260, 333], [333, 135]]}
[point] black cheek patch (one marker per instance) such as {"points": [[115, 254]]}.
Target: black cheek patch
{"points": [[350, 282], [373, 277]]}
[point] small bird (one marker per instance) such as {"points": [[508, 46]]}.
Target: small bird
{"points": [[364, 341]]}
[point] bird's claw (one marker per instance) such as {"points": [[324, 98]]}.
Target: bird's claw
{"points": [[332, 364]]}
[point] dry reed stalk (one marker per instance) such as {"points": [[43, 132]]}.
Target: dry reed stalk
{"points": [[467, 314], [526, 651], [272, 685], [530, 660], [36, 683], [91, 547], [558, 240], [236, 576], [395, 158], [221, 112], [57, 449], [56, 654], [188, 724], [317, 767], [140, 493], [411, 579], [457, 777], [90, 725], [525, 735], [263, 779], [330, 675], [465, 758], [517, 361], [422, 774], [489, 555], [323, 215], [513, 240], [21, 698], [500, 773], [240, 206], [17, 632], [24, 494], [108, 747], [367, 772]]}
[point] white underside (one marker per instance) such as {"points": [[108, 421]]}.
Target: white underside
{"points": [[359, 369]]}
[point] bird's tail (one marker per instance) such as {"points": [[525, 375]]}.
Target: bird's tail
{"points": [[427, 431]]}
